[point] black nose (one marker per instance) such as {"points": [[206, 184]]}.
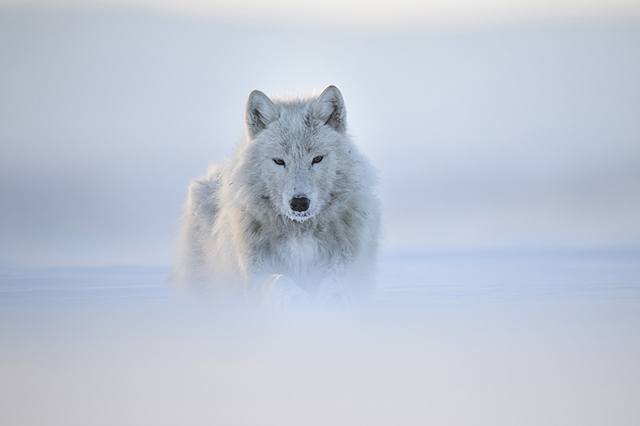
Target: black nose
{"points": [[299, 204]]}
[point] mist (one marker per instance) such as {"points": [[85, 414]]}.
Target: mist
{"points": [[512, 136], [509, 166]]}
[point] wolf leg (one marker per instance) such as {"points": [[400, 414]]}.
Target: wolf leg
{"points": [[332, 292], [279, 291]]}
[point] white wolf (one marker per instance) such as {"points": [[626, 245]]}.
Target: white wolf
{"points": [[292, 215]]}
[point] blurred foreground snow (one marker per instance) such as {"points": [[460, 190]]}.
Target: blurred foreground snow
{"points": [[495, 339]]}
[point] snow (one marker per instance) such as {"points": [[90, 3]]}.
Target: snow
{"points": [[487, 338]]}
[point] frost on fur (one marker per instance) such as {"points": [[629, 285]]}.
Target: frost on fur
{"points": [[291, 216]]}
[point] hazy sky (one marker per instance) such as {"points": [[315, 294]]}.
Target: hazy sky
{"points": [[503, 136], [373, 14]]}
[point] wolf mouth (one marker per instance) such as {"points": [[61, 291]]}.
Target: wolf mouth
{"points": [[300, 216]]}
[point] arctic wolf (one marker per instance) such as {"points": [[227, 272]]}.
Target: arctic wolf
{"points": [[291, 216]]}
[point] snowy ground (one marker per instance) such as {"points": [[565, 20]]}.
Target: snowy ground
{"points": [[490, 339]]}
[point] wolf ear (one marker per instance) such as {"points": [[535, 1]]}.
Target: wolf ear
{"points": [[329, 108], [260, 111]]}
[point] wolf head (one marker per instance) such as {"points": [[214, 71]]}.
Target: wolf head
{"points": [[297, 152]]}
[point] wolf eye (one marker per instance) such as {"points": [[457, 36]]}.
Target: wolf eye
{"points": [[317, 159], [279, 161]]}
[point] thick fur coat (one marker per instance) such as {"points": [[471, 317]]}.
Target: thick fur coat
{"points": [[292, 216]]}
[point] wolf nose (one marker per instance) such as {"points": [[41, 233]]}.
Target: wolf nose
{"points": [[299, 204]]}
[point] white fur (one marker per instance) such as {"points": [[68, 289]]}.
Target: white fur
{"points": [[239, 234]]}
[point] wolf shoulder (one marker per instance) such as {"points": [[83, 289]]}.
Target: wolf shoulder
{"points": [[202, 194], [199, 215]]}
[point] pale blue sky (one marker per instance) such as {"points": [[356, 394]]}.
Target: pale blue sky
{"points": [[375, 14], [501, 136]]}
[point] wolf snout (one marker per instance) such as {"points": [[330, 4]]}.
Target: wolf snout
{"points": [[299, 204]]}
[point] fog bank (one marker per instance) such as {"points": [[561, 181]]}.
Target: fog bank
{"points": [[496, 137]]}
